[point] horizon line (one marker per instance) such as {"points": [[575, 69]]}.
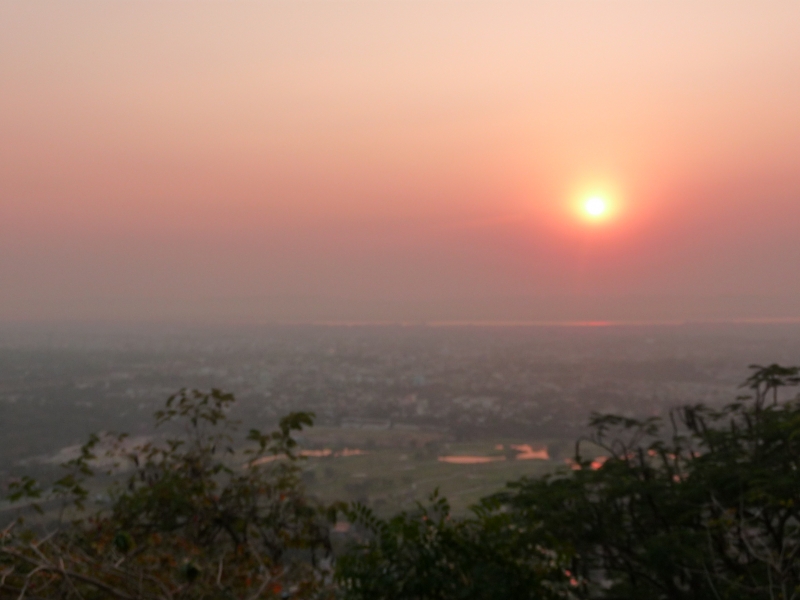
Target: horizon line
{"points": [[559, 323], [434, 323]]}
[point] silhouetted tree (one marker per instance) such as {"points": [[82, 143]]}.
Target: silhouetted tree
{"points": [[703, 505], [194, 517]]}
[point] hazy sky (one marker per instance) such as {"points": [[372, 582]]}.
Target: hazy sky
{"points": [[223, 160]]}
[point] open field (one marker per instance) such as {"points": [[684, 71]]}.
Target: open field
{"points": [[399, 468]]}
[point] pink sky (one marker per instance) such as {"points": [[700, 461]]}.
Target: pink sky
{"points": [[302, 161]]}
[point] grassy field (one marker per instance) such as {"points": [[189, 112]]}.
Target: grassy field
{"points": [[389, 470], [399, 468]]}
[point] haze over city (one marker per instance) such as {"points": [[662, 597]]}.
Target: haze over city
{"points": [[282, 162], [399, 299]]}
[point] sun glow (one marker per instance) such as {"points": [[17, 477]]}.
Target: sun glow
{"points": [[595, 207]]}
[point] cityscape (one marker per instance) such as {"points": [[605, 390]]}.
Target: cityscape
{"points": [[399, 410]]}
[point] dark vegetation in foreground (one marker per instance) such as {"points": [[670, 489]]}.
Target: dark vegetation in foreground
{"points": [[704, 504]]}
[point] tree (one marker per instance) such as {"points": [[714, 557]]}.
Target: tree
{"points": [[192, 517], [428, 554], [704, 505]]}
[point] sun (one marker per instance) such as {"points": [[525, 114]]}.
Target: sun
{"points": [[595, 207]]}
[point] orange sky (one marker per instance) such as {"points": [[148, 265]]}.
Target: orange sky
{"points": [[296, 161]]}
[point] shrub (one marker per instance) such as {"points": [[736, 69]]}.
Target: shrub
{"points": [[192, 517], [704, 505]]}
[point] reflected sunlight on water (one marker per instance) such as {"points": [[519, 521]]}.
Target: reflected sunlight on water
{"points": [[526, 452], [323, 453], [470, 460]]}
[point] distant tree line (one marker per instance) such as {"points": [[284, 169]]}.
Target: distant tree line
{"points": [[702, 504]]}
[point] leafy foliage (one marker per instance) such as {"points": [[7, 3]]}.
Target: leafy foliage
{"points": [[192, 517], [428, 554], [705, 505], [702, 504]]}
